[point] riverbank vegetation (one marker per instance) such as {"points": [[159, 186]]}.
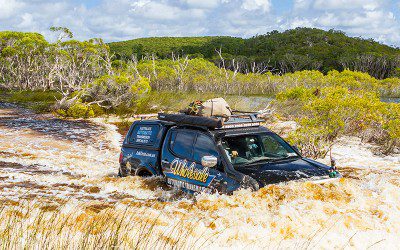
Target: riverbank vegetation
{"points": [[326, 113], [83, 79]]}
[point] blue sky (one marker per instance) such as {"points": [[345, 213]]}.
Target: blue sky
{"points": [[127, 19]]}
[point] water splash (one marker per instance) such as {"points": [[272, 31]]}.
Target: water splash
{"points": [[71, 166]]}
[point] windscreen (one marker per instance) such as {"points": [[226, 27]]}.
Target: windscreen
{"points": [[247, 149]]}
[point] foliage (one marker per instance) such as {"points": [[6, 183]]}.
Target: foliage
{"points": [[29, 62], [390, 87], [200, 75], [77, 110], [299, 94], [334, 111], [39, 101], [64, 32], [21, 59], [164, 47], [278, 52], [112, 91], [33, 96]]}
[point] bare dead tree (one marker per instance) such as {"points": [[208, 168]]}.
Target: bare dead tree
{"points": [[223, 67], [180, 67], [261, 68], [133, 65], [377, 66], [267, 112], [293, 63]]}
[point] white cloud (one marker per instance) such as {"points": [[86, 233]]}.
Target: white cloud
{"points": [[347, 4], [302, 4], [252, 5], [203, 4], [163, 11], [9, 7], [301, 22], [128, 19], [139, 4], [366, 18], [155, 10], [27, 21]]}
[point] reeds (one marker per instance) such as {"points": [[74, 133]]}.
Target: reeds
{"points": [[34, 225]]}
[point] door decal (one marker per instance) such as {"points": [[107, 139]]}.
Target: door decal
{"points": [[180, 170]]}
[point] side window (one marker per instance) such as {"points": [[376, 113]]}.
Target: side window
{"points": [[182, 143], [273, 147], [144, 134], [204, 146]]}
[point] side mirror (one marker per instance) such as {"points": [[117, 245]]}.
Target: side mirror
{"points": [[209, 161]]}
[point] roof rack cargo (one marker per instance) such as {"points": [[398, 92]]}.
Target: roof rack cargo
{"points": [[238, 120], [191, 120]]}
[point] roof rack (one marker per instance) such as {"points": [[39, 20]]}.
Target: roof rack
{"points": [[241, 119], [145, 116], [238, 120]]}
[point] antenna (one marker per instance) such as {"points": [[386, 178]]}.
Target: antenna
{"points": [[333, 160]]}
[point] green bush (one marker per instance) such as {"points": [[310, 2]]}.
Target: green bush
{"points": [[297, 93], [200, 75], [352, 80], [77, 110], [116, 92], [390, 87], [34, 96], [338, 111]]}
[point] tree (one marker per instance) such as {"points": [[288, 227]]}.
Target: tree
{"points": [[63, 32]]}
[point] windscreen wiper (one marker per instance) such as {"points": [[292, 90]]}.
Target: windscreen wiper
{"points": [[256, 161], [285, 158]]}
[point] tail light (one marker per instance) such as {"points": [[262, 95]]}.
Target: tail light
{"points": [[121, 156]]}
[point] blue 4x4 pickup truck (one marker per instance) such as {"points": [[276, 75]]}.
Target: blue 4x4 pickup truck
{"points": [[201, 154]]}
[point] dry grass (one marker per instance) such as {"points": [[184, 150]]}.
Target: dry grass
{"points": [[295, 215], [34, 225]]}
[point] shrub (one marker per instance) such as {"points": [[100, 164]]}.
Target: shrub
{"points": [[352, 80], [121, 91], [77, 110], [34, 96], [338, 111], [297, 93], [390, 87]]}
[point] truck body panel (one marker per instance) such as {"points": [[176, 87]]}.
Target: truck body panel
{"points": [[246, 155]]}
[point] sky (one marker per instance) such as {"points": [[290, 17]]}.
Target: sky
{"points": [[117, 20]]}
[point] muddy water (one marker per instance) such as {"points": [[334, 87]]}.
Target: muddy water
{"points": [[75, 162], [42, 156]]}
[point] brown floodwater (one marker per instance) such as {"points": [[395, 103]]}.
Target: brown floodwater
{"points": [[63, 162]]}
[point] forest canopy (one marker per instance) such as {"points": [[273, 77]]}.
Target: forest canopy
{"points": [[277, 52]]}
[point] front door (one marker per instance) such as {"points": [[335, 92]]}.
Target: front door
{"points": [[182, 162]]}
